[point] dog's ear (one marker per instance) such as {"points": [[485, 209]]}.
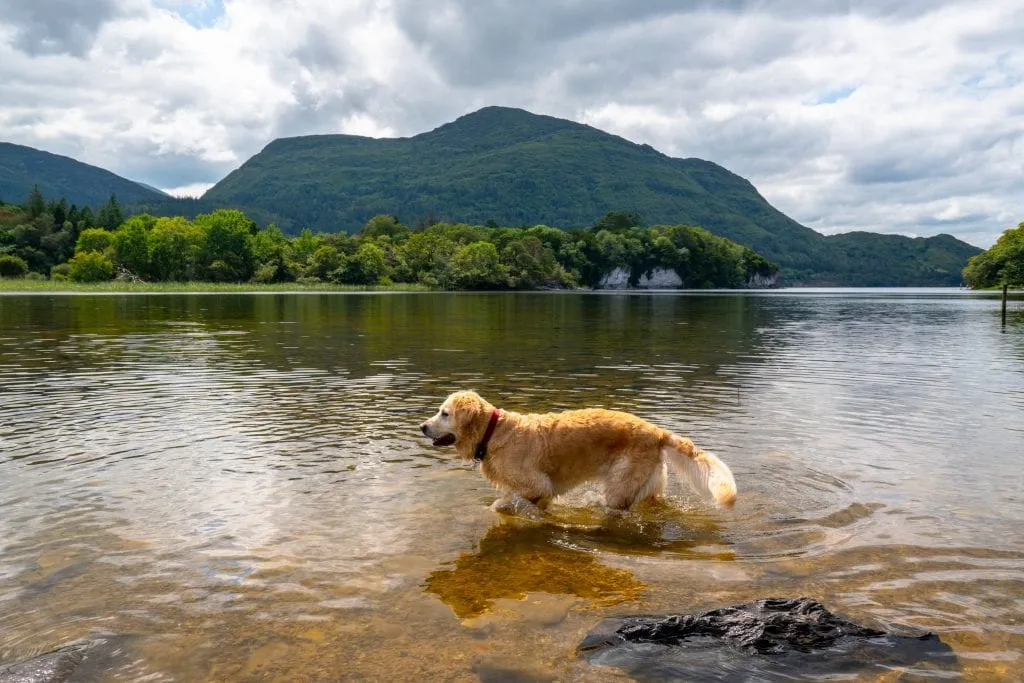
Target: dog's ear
{"points": [[466, 407]]}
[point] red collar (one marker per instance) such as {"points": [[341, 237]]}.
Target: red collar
{"points": [[481, 449]]}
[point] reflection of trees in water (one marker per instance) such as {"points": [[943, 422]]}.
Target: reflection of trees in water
{"points": [[533, 350]]}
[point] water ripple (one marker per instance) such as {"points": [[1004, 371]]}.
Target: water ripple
{"points": [[227, 475]]}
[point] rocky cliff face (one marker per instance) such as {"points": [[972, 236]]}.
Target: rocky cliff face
{"points": [[660, 278], [763, 282], [667, 278]]}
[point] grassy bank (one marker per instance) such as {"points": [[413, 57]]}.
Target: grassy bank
{"points": [[54, 286]]}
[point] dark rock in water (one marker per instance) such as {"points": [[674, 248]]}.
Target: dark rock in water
{"points": [[775, 639], [77, 662], [52, 667]]}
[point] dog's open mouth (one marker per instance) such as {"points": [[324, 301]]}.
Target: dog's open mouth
{"points": [[446, 440]]}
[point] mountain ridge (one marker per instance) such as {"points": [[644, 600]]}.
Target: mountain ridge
{"points": [[56, 175], [518, 168]]}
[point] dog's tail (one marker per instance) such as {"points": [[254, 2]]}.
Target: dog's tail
{"points": [[706, 474]]}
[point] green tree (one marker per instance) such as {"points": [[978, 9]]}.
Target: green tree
{"points": [[367, 266], [131, 247], [12, 266], [59, 244], [617, 221], [111, 216], [86, 219], [1003, 264], [302, 248], [227, 249], [327, 263], [60, 272], [426, 255], [175, 247], [35, 205], [94, 239], [529, 263], [269, 249], [90, 266], [305, 244], [476, 266], [75, 216], [59, 211], [612, 251], [384, 225]]}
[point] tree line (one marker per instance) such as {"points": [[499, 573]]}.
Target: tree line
{"points": [[53, 239], [38, 235]]}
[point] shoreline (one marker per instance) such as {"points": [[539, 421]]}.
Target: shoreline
{"points": [[24, 286]]}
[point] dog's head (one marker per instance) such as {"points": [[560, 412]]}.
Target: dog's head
{"points": [[459, 417]]}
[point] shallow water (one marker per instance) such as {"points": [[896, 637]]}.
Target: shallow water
{"points": [[235, 487]]}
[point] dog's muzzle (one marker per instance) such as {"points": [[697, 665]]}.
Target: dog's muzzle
{"points": [[443, 440]]}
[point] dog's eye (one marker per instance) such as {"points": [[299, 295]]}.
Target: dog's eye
{"points": [[444, 413]]}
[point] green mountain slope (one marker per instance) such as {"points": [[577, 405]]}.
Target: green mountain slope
{"points": [[518, 168], [57, 176], [869, 259]]}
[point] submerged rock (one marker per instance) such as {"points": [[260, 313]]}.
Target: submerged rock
{"points": [[79, 661], [772, 639], [52, 667]]}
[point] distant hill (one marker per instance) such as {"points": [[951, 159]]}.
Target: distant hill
{"points": [[57, 176], [518, 168], [870, 259]]}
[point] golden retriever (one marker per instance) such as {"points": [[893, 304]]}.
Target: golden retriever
{"points": [[538, 457]]}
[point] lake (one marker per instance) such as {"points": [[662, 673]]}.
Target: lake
{"points": [[234, 487]]}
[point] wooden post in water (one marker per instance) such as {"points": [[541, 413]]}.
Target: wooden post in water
{"points": [[1004, 305]]}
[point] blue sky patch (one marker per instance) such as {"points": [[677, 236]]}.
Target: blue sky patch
{"points": [[833, 96], [200, 13]]}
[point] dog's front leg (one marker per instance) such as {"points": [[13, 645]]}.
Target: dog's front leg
{"points": [[511, 503]]}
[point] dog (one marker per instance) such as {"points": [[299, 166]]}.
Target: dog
{"points": [[536, 457]]}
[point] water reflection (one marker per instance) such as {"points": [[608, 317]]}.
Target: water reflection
{"points": [[514, 560], [240, 478]]}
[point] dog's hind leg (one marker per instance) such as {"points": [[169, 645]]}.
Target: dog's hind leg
{"points": [[654, 487], [632, 480]]}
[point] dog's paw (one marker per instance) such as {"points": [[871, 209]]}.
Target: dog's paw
{"points": [[505, 506], [517, 506]]}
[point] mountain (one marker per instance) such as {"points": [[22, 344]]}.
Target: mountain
{"points": [[57, 176], [870, 259], [518, 168]]}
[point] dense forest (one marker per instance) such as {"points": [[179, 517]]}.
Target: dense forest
{"points": [[53, 239], [1002, 265]]}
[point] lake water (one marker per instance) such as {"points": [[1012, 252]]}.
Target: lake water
{"points": [[233, 487]]}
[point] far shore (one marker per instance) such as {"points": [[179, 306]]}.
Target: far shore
{"points": [[29, 286], [120, 286]]}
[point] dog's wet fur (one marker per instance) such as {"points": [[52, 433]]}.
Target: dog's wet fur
{"points": [[538, 457]]}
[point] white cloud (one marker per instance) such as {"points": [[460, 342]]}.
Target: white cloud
{"points": [[846, 115], [193, 190]]}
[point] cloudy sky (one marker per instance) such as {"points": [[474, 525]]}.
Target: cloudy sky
{"points": [[901, 116]]}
